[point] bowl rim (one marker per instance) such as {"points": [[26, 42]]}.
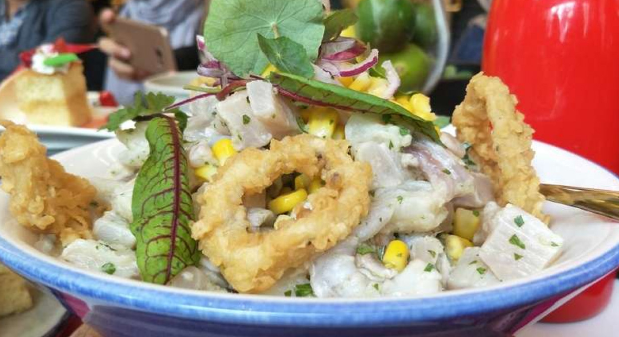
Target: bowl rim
{"points": [[266, 310]]}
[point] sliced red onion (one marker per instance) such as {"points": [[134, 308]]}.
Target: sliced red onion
{"points": [[208, 70], [200, 42], [342, 49], [324, 76], [392, 78], [348, 70]]}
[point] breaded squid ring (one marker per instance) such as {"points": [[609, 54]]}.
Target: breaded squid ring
{"points": [[500, 142], [253, 262]]}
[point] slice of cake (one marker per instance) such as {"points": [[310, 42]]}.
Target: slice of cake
{"points": [[49, 90], [14, 295]]}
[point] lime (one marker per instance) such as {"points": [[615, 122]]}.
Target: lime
{"points": [[385, 24], [425, 32], [412, 64]]}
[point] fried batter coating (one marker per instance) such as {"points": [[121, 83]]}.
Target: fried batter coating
{"points": [[253, 262], [43, 196], [500, 142]]}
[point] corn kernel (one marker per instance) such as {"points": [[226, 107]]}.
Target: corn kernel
{"points": [[455, 245], [302, 181], [466, 223], [345, 81], [206, 172], [268, 70], [396, 255], [339, 134], [223, 150], [286, 202], [315, 184], [378, 86], [322, 122], [361, 83], [421, 107], [349, 32], [404, 102]]}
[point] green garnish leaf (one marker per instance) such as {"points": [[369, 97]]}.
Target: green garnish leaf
{"points": [[108, 268], [376, 286], [442, 121], [476, 213], [60, 60], [286, 55], [554, 244], [364, 249], [162, 206], [432, 253], [337, 22], [481, 270], [303, 290], [324, 94], [246, 119], [517, 256], [288, 293], [143, 105], [519, 221], [400, 199], [232, 26], [208, 90], [515, 240], [446, 171], [472, 262], [428, 267], [404, 131]]}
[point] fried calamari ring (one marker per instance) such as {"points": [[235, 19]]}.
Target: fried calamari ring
{"points": [[500, 142], [253, 262]]}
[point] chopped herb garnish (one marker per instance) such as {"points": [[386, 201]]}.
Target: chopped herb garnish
{"points": [[446, 171], [472, 262], [515, 240], [404, 131], [303, 290], [433, 253], [481, 270], [376, 286], [331, 122], [554, 244], [517, 256], [372, 193], [386, 118], [288, 293], [428, 267], [400, 199], [364, 249], [390, 145], [246, 119], [519, 221], [476, 213], [108, 268]]}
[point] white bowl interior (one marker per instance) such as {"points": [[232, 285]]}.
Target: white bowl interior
{"points": [[587, 236], [170, 83]]}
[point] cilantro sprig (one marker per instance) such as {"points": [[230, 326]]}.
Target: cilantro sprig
{"points": [[146, 105]]}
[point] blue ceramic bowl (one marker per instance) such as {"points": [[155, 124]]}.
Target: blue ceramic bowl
{"points": [[119, 307]]}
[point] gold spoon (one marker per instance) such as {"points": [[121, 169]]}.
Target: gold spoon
{"points": [[601, 202]]}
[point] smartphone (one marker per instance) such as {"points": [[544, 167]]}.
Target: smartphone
{"points": [[149, 45]]}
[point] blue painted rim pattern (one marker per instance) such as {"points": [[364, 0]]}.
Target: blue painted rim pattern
{"points": [[243, 309]]}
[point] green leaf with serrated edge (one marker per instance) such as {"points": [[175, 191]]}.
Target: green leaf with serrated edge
{"points": [[286, 55], [325, 94], [442, 121], [231, 28], [337, 22], [143, 105], [162, 206]]}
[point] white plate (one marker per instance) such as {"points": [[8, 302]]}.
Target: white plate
{"points": [[171, 83], [44, 317]]}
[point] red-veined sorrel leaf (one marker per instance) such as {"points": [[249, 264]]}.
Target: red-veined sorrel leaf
{"points": [[325, 94], [162, 206]]}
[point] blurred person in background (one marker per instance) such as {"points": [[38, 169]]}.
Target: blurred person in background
{"points": [[25, 25], [183, 20]]}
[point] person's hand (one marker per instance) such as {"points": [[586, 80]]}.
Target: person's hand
{"points": [[118, 55]]}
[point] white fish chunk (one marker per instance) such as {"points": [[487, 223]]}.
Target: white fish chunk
{"points": [[113, 229], [471, 272], [238, 116], [93, 255], [387, 170], [416, 279], [362, 128], [519, 244], [275, 113]]}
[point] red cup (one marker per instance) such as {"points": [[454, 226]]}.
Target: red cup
{"points": [[561, 59]]}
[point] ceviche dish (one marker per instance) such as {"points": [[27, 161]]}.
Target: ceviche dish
{"points": [[297, 168]]}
